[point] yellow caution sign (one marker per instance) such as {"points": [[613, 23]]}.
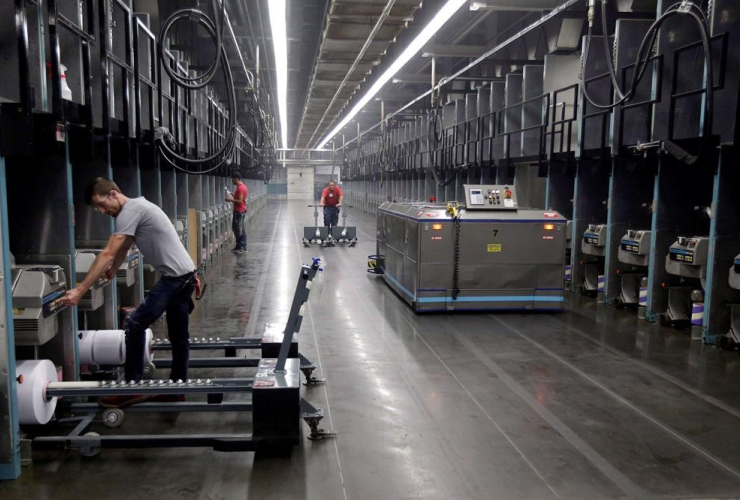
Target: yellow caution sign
{"points": [[494, 247]]}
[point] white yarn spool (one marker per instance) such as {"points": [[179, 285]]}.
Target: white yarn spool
{"points": [[33, 407], [108, 347], [85, 346], [148, 341], [102, 347]]}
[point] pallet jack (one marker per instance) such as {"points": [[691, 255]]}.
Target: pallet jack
{"points": [[329, 236]]}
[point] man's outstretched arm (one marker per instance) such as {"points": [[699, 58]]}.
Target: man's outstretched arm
{"points": [[103, 261]]}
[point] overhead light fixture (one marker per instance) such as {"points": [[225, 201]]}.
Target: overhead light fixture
{"points": [[439, 20], [280, 48]]}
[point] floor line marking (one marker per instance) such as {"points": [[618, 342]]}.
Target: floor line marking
{"points": [[675, 434], [655, 371], [255, 310], [319, 362]]}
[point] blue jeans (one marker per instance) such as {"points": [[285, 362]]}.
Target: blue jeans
{"points": [[171, 295], [331, 216], [238, 225]]}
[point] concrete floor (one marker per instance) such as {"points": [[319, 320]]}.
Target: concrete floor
{"points": [[586, 404]]}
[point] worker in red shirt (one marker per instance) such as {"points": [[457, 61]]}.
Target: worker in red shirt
{"points": [[331, 200], [238, 223]]}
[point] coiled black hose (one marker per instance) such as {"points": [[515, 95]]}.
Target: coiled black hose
{"points": [[163, 138], [435, 135], [642, 59]]}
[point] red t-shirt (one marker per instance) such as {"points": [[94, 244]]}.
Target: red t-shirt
{"points": [[331, 198], [241, 191]]}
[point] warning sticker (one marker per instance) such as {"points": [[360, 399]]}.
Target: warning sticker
{"points": [[494, 247]]}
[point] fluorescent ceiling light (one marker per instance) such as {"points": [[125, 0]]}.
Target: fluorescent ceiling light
{"points": [[444, 15], [280, 48]]}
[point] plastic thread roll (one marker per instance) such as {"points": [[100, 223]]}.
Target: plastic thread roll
{"points": [[697, 314], [148, 341], [85, 346], [109, 347], [33, 407], [102, 347], [643, 296]]}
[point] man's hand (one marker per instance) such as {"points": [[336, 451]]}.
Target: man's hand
{"points": [[110, 274], [72, 297], [198, 289]]}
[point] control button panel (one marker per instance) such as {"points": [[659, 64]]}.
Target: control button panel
{"points": [[692, 251], [595, 235], [490, 197]]}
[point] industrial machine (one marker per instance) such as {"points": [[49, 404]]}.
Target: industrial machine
{"points": [[276, 403], [732, 339], [95, 296], [735, 274], [344, 233], [37, 294], [222, 229], [634, 251], [211, 231], [488, 255], [203, 237], [126, 274], [593, 245], [687, 259], [568, 252], [180, 229], [315, 234], [108, 347]]}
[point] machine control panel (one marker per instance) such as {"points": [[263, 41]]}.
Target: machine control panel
{"points": [[595, 235], [636, 242], [52, 303], [692, 251], [735, 274], [490, 197]]}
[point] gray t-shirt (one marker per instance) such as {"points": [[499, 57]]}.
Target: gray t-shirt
{"points": [[155, 236]]}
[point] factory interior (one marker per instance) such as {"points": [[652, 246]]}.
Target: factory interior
{"points": [[369, 249]]}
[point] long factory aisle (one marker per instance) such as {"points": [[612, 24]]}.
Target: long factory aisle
{"points": [[585, 404]]}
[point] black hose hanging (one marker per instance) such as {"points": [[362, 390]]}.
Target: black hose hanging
{"points": [[435, 135], [163, 138], [642, 59]]}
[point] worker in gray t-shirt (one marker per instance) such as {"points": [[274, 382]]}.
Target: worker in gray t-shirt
{"points": [[144, 223]]}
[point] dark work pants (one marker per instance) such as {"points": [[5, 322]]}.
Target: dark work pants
{"points": [[331, 216], [173, 296], [239, 226]]}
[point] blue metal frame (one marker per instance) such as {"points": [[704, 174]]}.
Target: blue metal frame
{"points": [[10, 470]]}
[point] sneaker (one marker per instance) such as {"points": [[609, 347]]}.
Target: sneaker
{"points": [[235, 249], [167, 398], [121, 401], [242, 250]]}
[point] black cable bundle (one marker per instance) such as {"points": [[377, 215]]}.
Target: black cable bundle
{"points": [[163, 138], [456, 258], [435, 135], [641, 61]]}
